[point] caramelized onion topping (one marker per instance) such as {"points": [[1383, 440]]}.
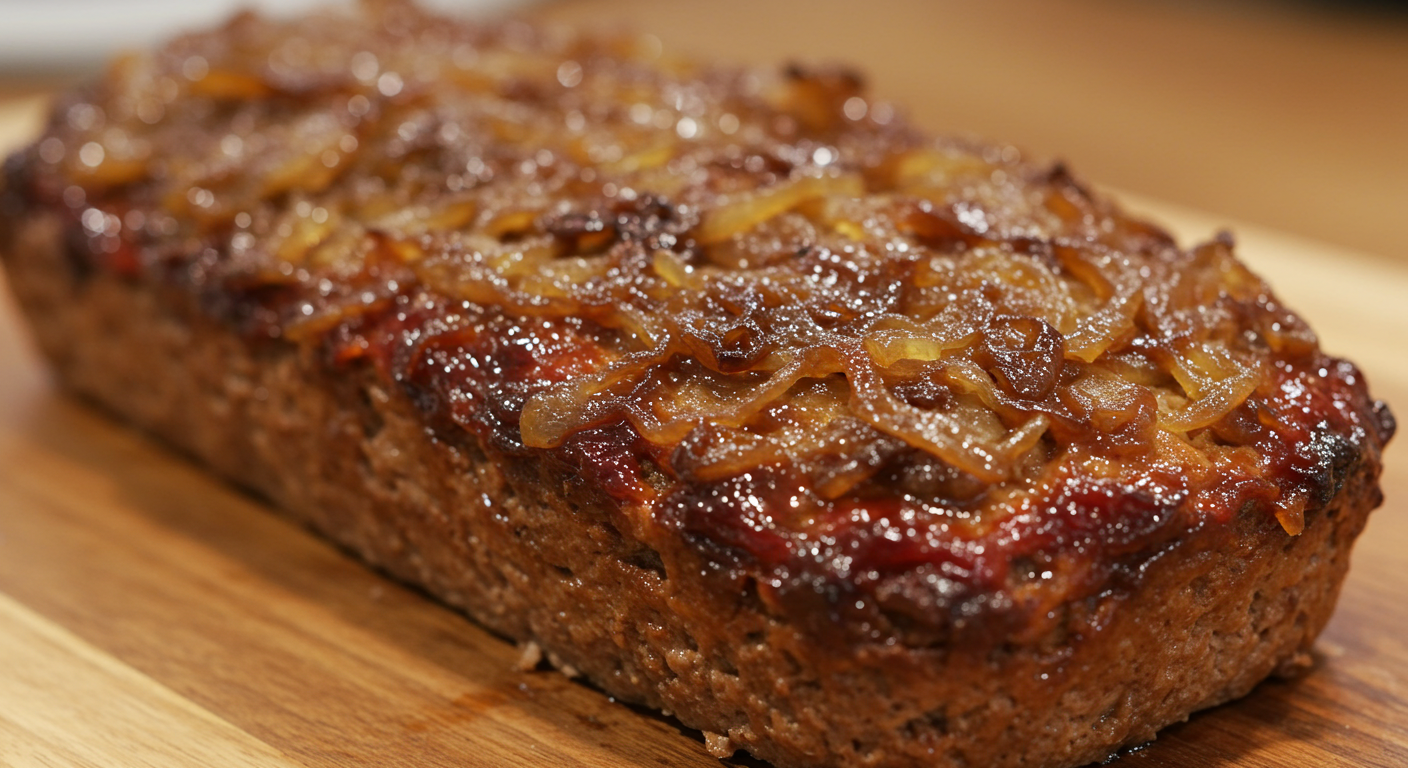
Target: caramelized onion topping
{"points": [[767, 277]]}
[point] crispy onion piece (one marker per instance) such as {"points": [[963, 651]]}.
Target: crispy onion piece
{"points": [[622, 389], [967, 377], [550, 417], [939, 433], [746, 211], [1216, 379], [894, 339], [713, 453], [1113, 277], [475, 281]]}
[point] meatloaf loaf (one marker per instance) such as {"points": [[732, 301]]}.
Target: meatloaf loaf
{"points": [[731, 391]]}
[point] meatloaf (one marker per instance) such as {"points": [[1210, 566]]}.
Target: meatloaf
{"points": [[732, 391]]}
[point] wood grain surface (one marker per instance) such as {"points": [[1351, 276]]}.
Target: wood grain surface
{"points": [[150, 615]]}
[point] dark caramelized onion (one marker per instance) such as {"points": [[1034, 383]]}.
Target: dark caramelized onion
{"points": [[1024, 355]]}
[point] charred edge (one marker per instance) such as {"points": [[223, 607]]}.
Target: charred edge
{"points": [[1333, 459]]}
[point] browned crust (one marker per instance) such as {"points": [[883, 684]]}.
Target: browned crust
{"points": [[536, 558]]}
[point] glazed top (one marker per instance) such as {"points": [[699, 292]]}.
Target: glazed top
{"points": [[762, 313]]}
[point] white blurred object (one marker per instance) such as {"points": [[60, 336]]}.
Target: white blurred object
{"points": [[72, 34]]}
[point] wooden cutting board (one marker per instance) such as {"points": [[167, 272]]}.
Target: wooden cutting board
{"points": [[150, 615]]}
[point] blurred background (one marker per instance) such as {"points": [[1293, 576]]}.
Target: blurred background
{"points": [[1290, 115]]}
